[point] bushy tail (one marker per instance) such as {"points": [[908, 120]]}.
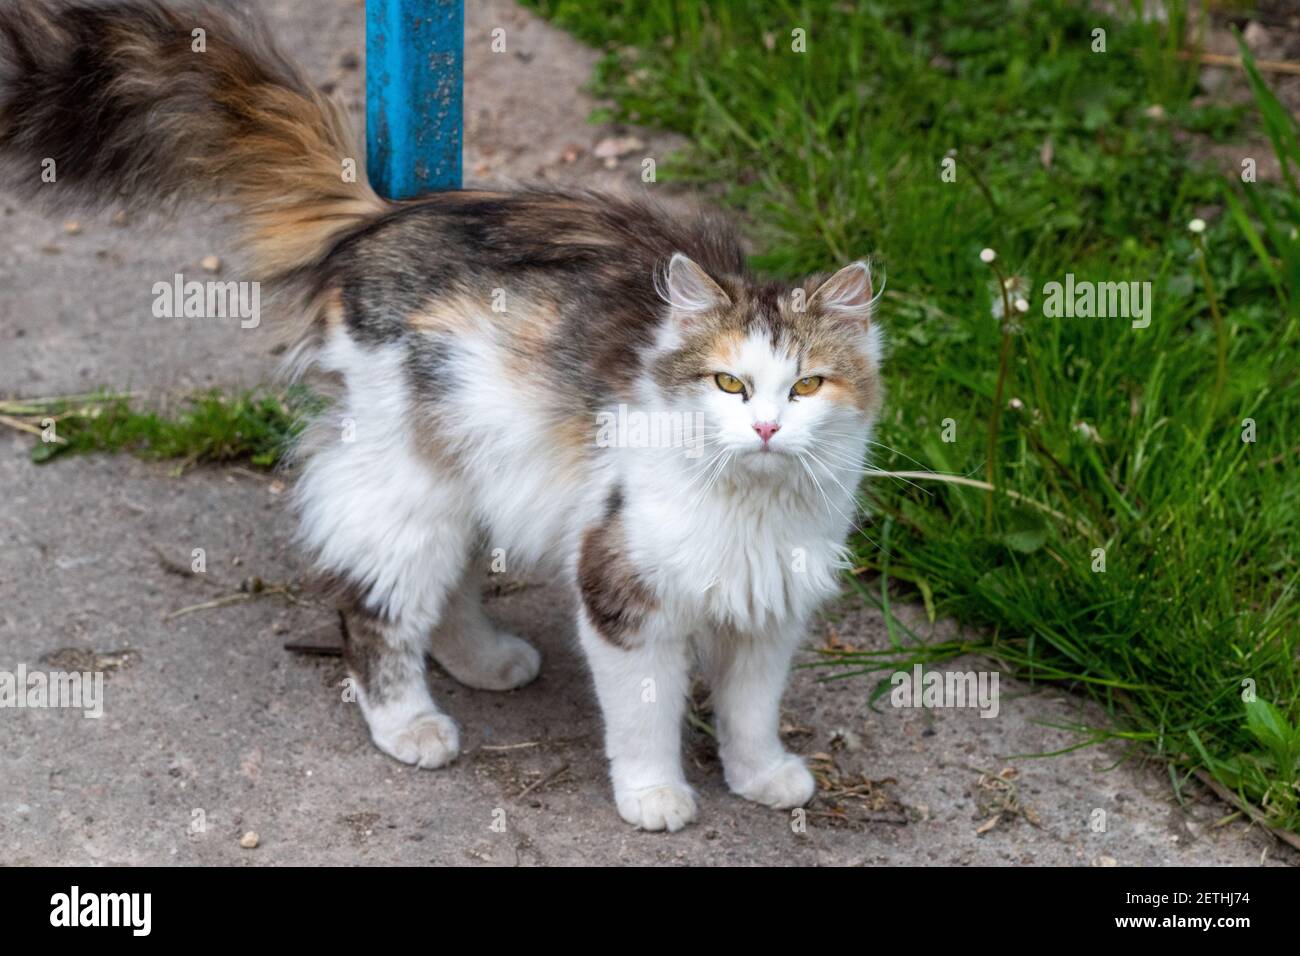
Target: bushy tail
{"points": [[134, 106]]}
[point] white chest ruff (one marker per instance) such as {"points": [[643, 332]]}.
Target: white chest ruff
{"points": [[745, 562]]}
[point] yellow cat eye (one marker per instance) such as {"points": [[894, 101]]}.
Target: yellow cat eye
{"points": [[729, 383], [806, 386]]}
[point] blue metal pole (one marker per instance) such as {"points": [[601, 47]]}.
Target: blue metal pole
{"points": [[415, 63]]}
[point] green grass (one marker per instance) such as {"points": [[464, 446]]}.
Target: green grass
{"points": [[252, 427], [836, 153]]}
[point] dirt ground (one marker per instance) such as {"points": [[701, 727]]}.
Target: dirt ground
{"points": [[208, 718]]}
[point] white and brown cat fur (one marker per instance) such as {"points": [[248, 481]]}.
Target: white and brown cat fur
{"points": [[474, 431]]}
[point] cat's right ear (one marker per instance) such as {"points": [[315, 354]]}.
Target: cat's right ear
{"points": [[689, 289], [848, 293]]}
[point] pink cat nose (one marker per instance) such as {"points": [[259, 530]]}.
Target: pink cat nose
{"points": [[766, 430]]}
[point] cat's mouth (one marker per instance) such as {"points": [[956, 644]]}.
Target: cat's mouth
{"points": [[768, 453]]}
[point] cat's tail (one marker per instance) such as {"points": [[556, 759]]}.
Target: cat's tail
{"points": [[134, 102]]}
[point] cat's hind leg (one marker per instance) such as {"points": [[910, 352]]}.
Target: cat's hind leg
{"points": [[475, 652]]}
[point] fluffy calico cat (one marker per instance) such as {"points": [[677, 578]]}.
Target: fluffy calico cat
{"points": [[483, 342]]}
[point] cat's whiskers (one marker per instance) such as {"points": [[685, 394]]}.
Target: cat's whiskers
{"points": [[888, 448], [852, 496], [806, 468], [862, 466], [699, 470], [704, 444], [713, 479], [872, 441]]}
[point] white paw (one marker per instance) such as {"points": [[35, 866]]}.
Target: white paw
{"points": [[785, 785], [428, 741], [516, 662], [669, 807], [497, 661]]}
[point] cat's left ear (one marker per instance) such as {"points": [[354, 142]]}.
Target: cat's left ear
{"points": [[689, 289], [848, 292]]}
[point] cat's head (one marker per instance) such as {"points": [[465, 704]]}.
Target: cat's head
{"points": [[773, 372]]}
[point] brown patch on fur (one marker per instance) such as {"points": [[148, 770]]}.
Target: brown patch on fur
{"points": [[852, 381], [707, 334], [616, 599], [524, 335], [364, 645], [863, 394], [575, 438], [530, 323], [429, 441], [330, 310], [726, 347], [528, 341], [364, 642], [454, 314], [344, 594], [372, 659]]}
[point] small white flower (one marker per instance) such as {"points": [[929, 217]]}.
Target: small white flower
{"points": [[1197, 226], [987, 255], [1010, 292], [1015, 404]]}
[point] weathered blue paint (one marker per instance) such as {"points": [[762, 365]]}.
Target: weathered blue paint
{"points": [[415, 54]]}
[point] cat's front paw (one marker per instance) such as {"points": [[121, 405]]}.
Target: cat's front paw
{"points": [[428, 741], [668, 807], [782, 786]]}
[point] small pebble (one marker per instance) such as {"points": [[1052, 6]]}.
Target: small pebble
{"points": [[249, 840], [847, 739], [613, 147]]}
